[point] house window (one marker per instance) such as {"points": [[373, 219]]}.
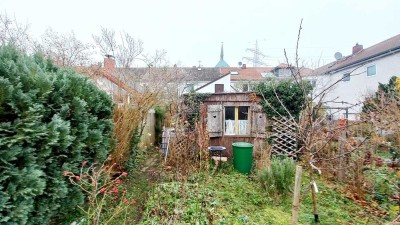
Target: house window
{"points": [[219, 88], [371, 70], [237, 120], [346, 77], [245, 87]]}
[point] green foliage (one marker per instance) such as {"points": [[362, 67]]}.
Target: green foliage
{"points": [[160, 113], [290, 95], [193, 102], [134, 148], [278, 179], [225, 199], [233, 198], [384, 90], [389, 88], [385, 185], [51, 120]]}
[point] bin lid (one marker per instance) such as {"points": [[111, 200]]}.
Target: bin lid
{"points": [[216, 148], [242, 144]]}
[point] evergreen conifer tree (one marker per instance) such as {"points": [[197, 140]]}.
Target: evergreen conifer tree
{"points": [[51, 120]]}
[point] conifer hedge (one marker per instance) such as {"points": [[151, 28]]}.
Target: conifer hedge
{"points": [[51, 120]]}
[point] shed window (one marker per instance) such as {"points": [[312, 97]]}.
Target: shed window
{"points": [[237, 120], [371, 70]]}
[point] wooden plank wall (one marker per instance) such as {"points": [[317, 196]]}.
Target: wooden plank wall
{"points": [[237, 99], [227, 142]]}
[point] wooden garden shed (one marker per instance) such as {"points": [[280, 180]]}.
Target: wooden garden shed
{"points": [[235, 117]]}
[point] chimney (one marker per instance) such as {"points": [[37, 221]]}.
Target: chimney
{"points": [[357, 48], [109, 64], [243, 66]]}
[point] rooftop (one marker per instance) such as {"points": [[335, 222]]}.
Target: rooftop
{"points": [[363, 56], [248, 73]]}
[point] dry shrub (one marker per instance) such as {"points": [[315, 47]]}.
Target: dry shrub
{"points": [[189, 147], [130, 117], [341, 150], [125, 125]]}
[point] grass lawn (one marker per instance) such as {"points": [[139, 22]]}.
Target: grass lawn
{"points": [[228, 197], [224, 196]]}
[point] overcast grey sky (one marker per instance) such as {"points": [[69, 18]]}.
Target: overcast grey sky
{"points": [[192, 30]]}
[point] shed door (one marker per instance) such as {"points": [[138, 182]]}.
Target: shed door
{"points": [[258, 122], [214, 120]]}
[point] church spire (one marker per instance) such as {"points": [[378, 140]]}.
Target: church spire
{"points": [[222, 62], [222, 51]]}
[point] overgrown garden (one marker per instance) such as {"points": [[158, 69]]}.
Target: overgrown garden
{"points": [[70, 154]]}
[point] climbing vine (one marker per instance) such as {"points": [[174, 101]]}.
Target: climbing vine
{"points": [[192, 101], [278, 95]]}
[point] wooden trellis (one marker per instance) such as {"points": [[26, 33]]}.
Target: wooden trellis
{"points": [[284, 137]]}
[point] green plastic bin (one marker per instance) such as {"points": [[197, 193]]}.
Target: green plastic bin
{"points": [[242, 156]]}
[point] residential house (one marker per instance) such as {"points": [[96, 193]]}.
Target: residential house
{"points": [[351, 78], [198, 77], [104, 78], [244, 78], [284, 70], [221, 84]]}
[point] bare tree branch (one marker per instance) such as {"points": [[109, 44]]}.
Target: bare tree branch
{"points": [[14, 33], [65, 49]]}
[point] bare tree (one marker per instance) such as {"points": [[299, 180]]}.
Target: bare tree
{"points": [[126, 50], [155, 60], [65, 49], [314, 132], [14, 33]]}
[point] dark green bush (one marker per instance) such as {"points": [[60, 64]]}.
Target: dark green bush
{"points": [[160, 113], [51, 120], [291, 97], [193, 103], [278, 179]]}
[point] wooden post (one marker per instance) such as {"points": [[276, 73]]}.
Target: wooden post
{"points": [[341, 146], [314, 199], [296, 194], [342, 142]]}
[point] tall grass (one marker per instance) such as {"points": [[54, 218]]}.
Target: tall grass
{"points": [[278, 178]]}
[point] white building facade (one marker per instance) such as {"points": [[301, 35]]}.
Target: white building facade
{"points": [[349, 80]]}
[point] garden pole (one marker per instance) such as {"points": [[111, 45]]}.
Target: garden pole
{"points": [[342, 145], [314, 195], [314, 200], [296, 194]]}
